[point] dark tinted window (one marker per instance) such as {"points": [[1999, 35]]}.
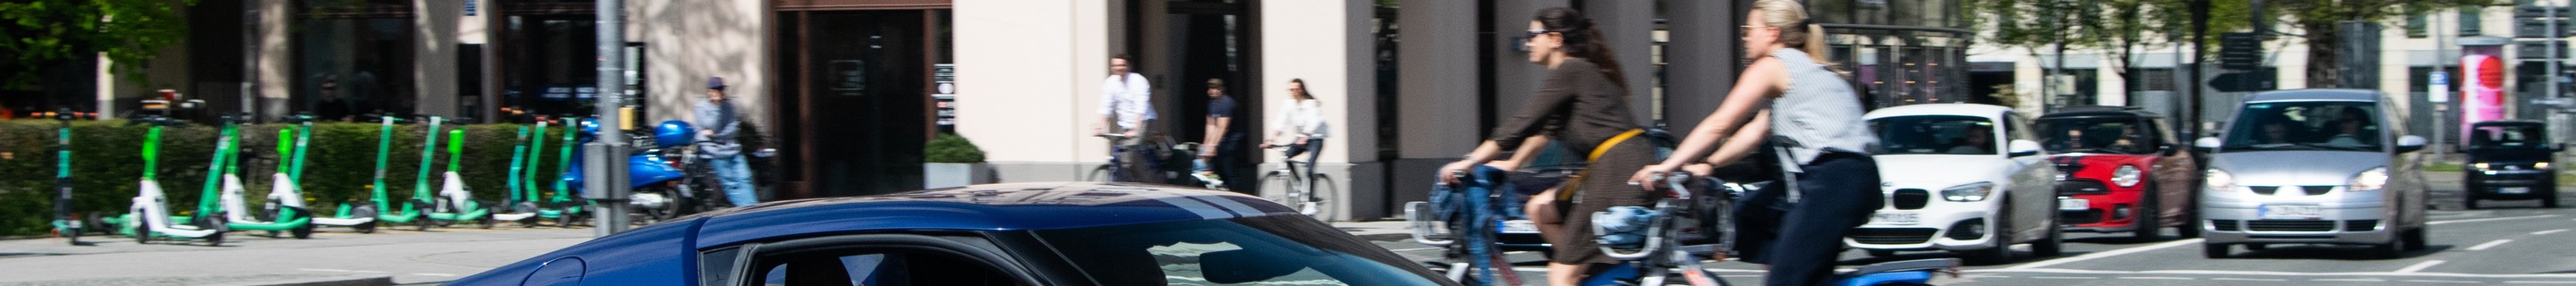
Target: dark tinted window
{"points": [[2509, 137], [2118, 135], [877, 268], [2328, 125], [1276, 250], [1935, 134]]}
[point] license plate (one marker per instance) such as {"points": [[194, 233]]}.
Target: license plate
{"points": [[1895, 218], [2073, 204], [2291, 212], [2514, 190], [1519, 226]]}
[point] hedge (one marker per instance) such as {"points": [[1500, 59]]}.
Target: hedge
{"points": [[107, 164]]}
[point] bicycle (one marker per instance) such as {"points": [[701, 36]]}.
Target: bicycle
{"points": [[1297, 185], [1651, 241], [1476, 213], [1205, 180]]}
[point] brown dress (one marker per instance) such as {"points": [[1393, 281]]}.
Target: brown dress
{"points": [[1583, 108]]}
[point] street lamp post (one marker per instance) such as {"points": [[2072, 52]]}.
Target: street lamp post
{"points": [[605, 156]]}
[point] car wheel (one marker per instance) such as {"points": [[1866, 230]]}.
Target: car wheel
{"points": [[2550, 199], [2053, 246], [2213, 251], [2002, 236], [2394, 249], [2415, 239], [2469, 201], [2149, 217]]}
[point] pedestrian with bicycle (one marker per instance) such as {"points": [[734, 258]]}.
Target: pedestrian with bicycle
{"points": [[717, 126], [1301, 126], [1216, 152], [1126, 107], [1583, 104], [1816, 121]]}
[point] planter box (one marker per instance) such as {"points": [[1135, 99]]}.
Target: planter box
{"points": [[942, 175]]}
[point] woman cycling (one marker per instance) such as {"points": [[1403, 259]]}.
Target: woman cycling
{"points": [[1817, 121], [1303, 127], [1583, 104]]}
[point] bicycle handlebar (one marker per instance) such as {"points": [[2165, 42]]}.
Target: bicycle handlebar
{"points": [[1672, 183]]}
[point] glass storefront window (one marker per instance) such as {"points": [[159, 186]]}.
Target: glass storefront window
{"points": [[361, 48]]}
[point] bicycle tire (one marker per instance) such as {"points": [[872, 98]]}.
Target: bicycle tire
{"points": [[1099, 174], [1320, 192], [1275, 186]]}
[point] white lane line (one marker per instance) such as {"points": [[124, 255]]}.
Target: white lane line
{"points": [[2099, 255], [2548, 231], [2419, 266], [2247, 279], [2349, 280], [2490, 244], [2062, 277], [2156, 278], [2440, 281], [2540, 282], [2269, 273], [435, 274], [322, 270], [2486, 219]]}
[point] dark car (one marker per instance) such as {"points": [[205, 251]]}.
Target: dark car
{"points": [[2509, 160], [2121, 170], [1002, 234]]}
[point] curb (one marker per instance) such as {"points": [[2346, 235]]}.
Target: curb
{"points": [[325, 281]]}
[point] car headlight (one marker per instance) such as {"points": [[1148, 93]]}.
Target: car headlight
{"points": [[2220, 180], [1969, 192], [2541, 165], [2370, 180], [2481, 166], [2126, 176]]}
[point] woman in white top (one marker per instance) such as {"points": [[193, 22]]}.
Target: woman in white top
{"points": [[1302, 126]]}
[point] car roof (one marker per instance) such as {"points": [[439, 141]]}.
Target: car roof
{"points": [[2315, 95], [994, 207], [2508, 122], [1958, 109], [2100, 111]]}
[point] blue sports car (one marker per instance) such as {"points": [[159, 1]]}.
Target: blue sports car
{"points": [[1002, 234]]}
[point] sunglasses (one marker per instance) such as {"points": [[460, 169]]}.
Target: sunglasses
{"points": [[1535, 32]]}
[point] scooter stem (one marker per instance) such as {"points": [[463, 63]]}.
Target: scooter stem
{"points": [[428, 148]]}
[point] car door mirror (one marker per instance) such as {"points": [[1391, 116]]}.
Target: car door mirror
{"points": [[2023, 148], [2205, 144], [2409, 143]]}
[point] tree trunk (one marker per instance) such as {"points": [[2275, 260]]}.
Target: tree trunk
{"points": [[2323, 54]]}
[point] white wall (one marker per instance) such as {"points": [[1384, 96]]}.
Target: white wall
{"points": [[687, 41], [1028, 78]]}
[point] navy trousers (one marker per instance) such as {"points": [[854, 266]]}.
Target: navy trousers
{"points": [[1837, 192]]}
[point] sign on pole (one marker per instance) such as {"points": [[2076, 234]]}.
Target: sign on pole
{"points": [[2440, 89]]}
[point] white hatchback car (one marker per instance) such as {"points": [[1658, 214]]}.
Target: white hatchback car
{"points": [[1965, 178]]}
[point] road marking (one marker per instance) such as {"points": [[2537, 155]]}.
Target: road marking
{"points": [[2548, 231], [2156, 278], [2540, 282], [2062, 277], [2441, 281], [435, 274], [2099, 255], [2248, 279], [2490, 244], [2486, 219], [2268, 273], [2349, 280], [2419, 266], [322, 270]]}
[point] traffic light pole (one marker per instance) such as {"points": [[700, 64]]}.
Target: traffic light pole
{"points": [[605, 155]]}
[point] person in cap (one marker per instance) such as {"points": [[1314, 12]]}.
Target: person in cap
{"points": [[717, 123]]}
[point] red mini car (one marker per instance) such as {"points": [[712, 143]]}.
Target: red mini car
{"points": [[2121, 170]]}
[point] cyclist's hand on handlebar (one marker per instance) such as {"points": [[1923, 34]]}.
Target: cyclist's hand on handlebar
{"points": [[1646, 177], [1449, 174]]}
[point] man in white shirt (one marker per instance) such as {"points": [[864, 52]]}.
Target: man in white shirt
{"points": [[1126, 107]]}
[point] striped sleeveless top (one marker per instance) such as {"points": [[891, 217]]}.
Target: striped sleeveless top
{"points": [[1816, 113]]}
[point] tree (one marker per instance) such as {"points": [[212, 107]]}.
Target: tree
{"points": [[42, 32], [2315, 21], [2119, 28]]}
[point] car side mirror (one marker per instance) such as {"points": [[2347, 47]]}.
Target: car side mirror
{"points": [[2022, 148], [2205, 144], [2410, 143]]}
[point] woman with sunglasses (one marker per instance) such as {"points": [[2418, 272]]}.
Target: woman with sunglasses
{"points": [[1816, 123], [1583, 103]]}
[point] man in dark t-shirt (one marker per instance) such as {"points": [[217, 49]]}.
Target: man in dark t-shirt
{"points": [[1218, 149]]}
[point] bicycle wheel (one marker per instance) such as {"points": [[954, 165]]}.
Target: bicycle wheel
{"points": [[1099, 174], [1319, 198], [1279, 187]]}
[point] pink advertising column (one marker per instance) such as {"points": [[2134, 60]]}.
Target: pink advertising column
{"points": [[2482, 79]]}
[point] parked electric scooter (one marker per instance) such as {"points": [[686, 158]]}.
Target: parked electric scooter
{"points": [[522, 203], [412, 211], [566, 208], [362, 217], [149, 216], [66, 224], [452, 203], [285, 208]]}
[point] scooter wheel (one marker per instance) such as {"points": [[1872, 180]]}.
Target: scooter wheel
{"points": [[303, 232], [273, 234], [421, 223], [142, 232], [369, 227]]}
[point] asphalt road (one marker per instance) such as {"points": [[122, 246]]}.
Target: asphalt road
{"points": [[2507, 242]]}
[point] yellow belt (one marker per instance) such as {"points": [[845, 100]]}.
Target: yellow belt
{"points": [[1575, 183]]}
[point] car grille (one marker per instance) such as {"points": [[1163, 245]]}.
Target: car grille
{"points": [[1907, 199], [2361, 225], [2317, 190], [2079, 217], [2082, 187], [2223, 224], [2290, 225], [1892, 235], [2264, 190]]}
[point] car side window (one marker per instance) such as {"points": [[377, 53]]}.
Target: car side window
{"points": [[875, 268]]}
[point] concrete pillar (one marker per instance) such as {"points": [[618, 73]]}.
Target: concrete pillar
{"points": [[276, 77], [434, 58], [1702, 57], [1028, 82], [1330, 45]]}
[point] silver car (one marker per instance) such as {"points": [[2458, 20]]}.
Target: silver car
{"points": [[2316, 166]]}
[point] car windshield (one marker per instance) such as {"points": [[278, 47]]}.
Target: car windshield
{"points": [[2095, 135], [1935, 134], [1272, 250], [2511, 136], [2326, 125]]}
